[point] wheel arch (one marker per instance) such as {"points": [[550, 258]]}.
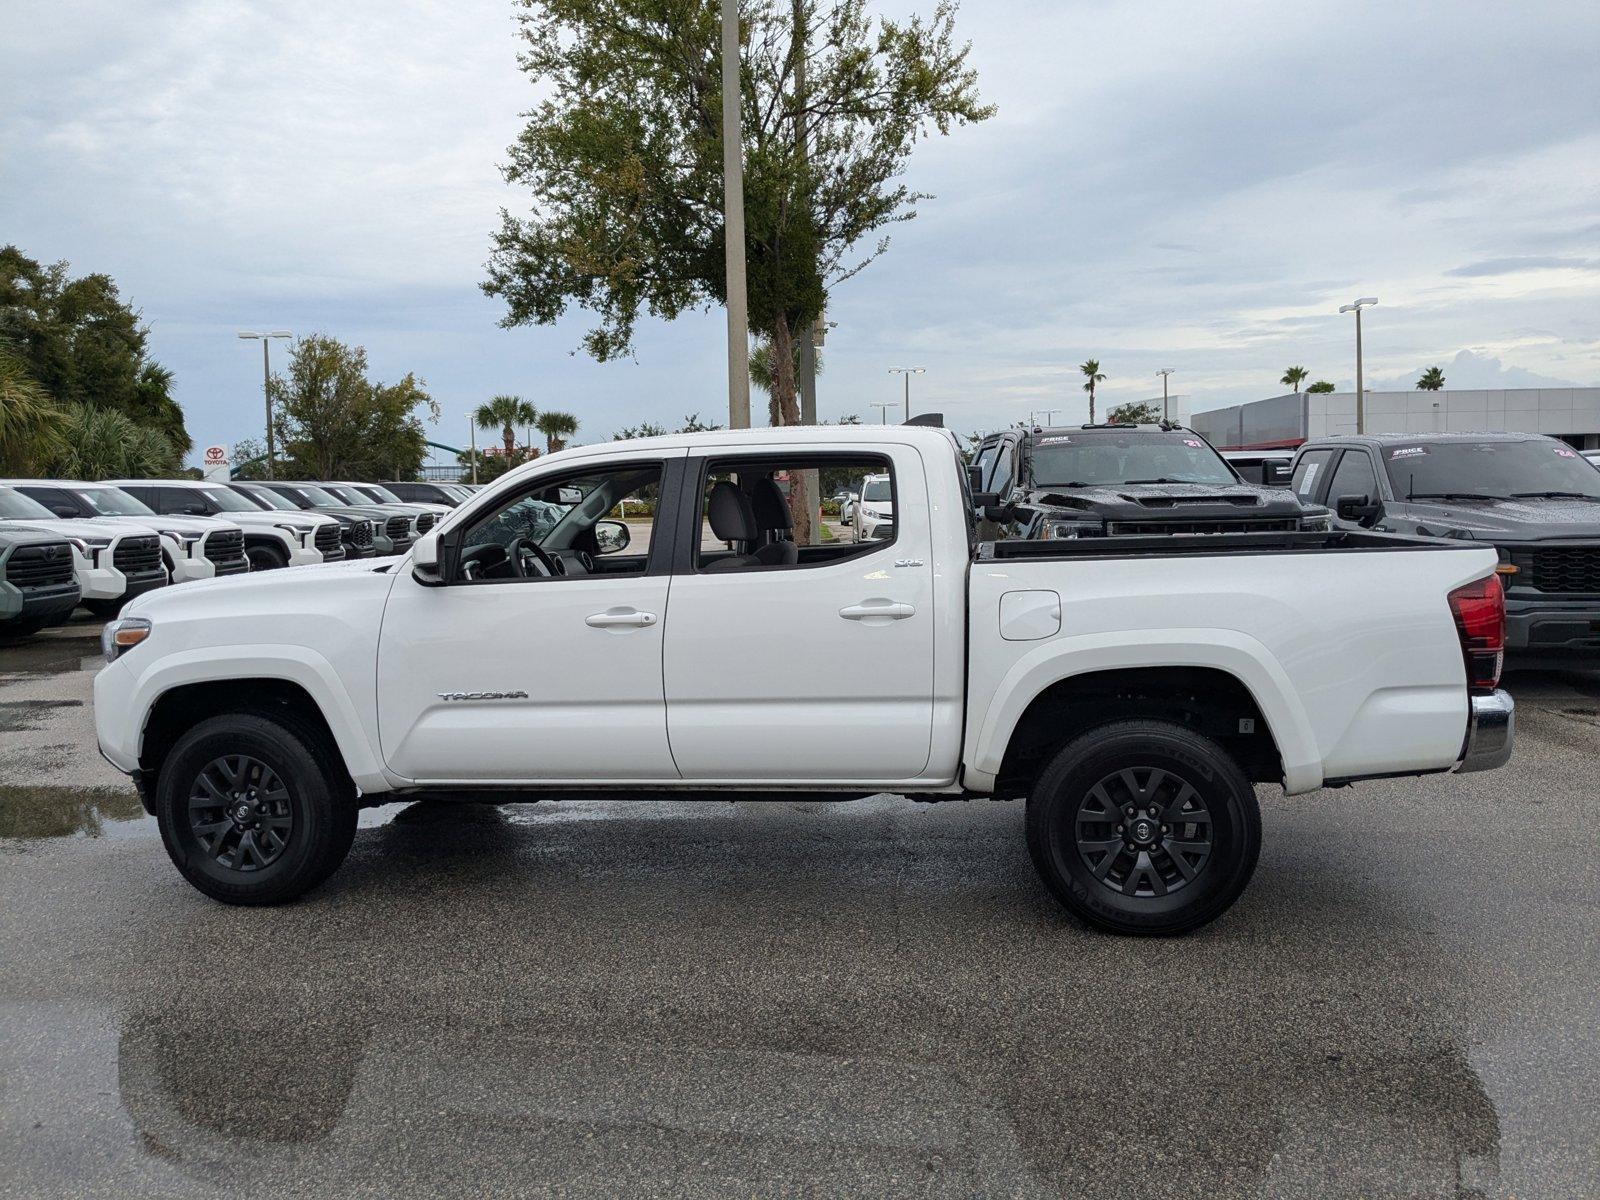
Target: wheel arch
{"points": [[1207, 683]]}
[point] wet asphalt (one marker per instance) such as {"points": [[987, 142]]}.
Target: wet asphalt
{"points": [[865, 999]]}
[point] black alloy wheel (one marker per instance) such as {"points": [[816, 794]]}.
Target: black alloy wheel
{"points": [[1144, 827], [240, 814]]}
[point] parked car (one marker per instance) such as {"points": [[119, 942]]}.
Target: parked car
{"points": [[356, 533], [427, 492], [423, 516], [1132, 689], [1592, 457], [38, 587], [392, 532], [112, 564], [1121, 480], [1270, 468], [1532, 498], [271, 539], [192, 547], [872, 515]]}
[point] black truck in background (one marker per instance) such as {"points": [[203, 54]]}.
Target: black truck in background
{"points": [[1122, 480], [1534, 498]]}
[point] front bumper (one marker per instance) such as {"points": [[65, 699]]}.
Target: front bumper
{"points": [[101, 583], [304, 556], [1491, 729], [50, 604], [1552, 624], [186, 568]]}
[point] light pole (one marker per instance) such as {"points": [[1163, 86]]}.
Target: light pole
{"points": [[733, 224], [908, 372], [883, 408], [1048, 412], [1361, 395], [266, 378], [1166, 413]]}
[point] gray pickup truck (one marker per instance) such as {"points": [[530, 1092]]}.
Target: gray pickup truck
{"points": [[1533, 498], [38, 584]]}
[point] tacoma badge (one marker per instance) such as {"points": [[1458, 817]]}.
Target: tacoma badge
{"points": [[483, 695]]}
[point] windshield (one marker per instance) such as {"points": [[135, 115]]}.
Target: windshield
{"points": [[266, 498], [380, 493], [1068, 460], [877, 490], [1496, 469], [227, 500], [459, 492], [113, 502], [14, 504], [319, 497]]}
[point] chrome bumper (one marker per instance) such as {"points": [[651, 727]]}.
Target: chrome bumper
{"points": [[1491, 727]]}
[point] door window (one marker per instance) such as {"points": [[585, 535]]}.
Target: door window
{"points": [[1354, 476], [1311, 469], [586, 523], [1004, 473], [762, 512], [58, 501]]}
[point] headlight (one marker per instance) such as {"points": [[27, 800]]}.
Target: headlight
{"points": [[186, 540], [303, 536], [122, 635], [1069, 529], [867, 511]]}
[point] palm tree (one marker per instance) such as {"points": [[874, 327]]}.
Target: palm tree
{"points": [[1092, 370], [505, 413], [31, 425], [1432, 380], [1294, 377], [557, 427], [102, 443]]}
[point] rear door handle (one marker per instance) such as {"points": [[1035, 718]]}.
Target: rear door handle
{"points": [[889, 610], [620, 618]]}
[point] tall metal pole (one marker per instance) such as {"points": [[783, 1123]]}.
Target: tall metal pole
{"points": [[883, 408], [1166, 410], [472, 434], [1361, 388], [733, 223], [266, 392], [1361, 391]]}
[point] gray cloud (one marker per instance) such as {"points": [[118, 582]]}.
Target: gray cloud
{"points": [[1522, 262]]}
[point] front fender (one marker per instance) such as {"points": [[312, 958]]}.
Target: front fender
{"points": [[1237, 654], [126, 691]]}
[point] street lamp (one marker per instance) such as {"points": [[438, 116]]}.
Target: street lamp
{"points": [[1166, 413], [1361, 395], [266, 378], [1049, 414], [908, 372], [883, 408]]}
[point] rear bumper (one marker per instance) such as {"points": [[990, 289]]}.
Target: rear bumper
{"points": [[1491, 729], [1552, 624]]}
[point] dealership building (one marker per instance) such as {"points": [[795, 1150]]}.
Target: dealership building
{"points": [[1283, 422]]}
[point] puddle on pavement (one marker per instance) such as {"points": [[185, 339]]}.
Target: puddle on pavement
{"points": [[37, 811], [44, 655]]}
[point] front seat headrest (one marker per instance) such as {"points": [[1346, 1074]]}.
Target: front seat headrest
{"points": [[771, 509], [732, 519]]}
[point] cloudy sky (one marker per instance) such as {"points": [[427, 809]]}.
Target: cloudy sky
{"points": [[1167, 184]]}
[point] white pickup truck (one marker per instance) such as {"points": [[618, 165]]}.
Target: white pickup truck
{"points": [[533, 645]]}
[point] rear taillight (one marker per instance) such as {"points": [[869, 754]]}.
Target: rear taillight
{"points": [[1479, 608]]}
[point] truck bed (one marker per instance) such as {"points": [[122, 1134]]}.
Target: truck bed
{"points": [[1345, 639]]}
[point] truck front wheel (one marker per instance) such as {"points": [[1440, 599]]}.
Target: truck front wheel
{"points": [[254, 810], [1144, 827]]}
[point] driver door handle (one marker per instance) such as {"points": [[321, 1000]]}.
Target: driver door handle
{"points": [[620, 618], [878, 608]]}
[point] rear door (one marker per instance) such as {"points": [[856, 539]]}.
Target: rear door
{"points": [[812, 672]]}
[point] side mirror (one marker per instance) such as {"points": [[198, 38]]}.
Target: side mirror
{"points": [[988, 506], [1275, 474], [612, 536], [425, 560], [1361, 509], [64, 510]]}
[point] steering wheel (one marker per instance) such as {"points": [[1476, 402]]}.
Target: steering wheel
{"points": [[521, 549]]}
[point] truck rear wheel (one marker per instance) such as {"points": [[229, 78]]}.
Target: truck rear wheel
{"points": [[254, 810], [1144, 827]]}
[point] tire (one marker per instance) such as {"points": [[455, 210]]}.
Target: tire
{"points": [[1162, 876], [297, 836], [105, 609], [264, 556]]}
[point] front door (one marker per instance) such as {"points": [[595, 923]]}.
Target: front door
{"points": [[807, 667], [540, 661]]}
